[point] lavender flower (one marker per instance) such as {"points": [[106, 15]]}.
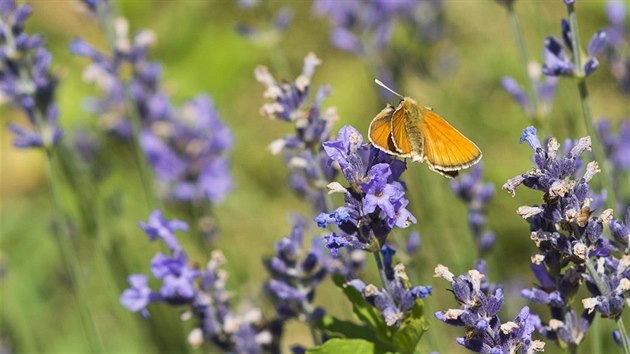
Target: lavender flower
{"points": [[302, 151], [366, 29], [476, 194], [617, 148], [294, 276], [559, 62], [203, 291], [617, 34], [398, 297], [375, 201], [267, 35], [25, 79], [186, 147], [478, 314], [544, 90], [570, 241]]}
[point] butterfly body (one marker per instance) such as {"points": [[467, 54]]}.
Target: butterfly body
{"points": [[415, 131]]}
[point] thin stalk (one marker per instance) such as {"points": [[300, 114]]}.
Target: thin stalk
{"points": [[598, 151], [381, 270], [70, 259], [624, 337], [522, 51], [328, 203], [105, 17]]}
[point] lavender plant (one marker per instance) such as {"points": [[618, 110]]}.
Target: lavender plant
{"points": [[374, 204], [366, 29], [295, 276], [617, 152], [187, 147], [536, 98], [476, 194], [571, 248], [480, 302], [201, 292], [26, 80], [303, 151], [617, 40], [574, 63]]}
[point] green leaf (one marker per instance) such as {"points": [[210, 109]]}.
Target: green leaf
{"points": [[336, 328], [338, 345], [367, 313], [408, 335]]}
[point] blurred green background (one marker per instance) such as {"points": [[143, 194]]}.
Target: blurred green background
{"points": [[201, 51]]}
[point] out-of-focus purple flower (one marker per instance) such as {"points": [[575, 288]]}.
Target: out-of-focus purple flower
{"points": [[476, 194], [617, 148], [189, 156], [568, 235], [26, 80], [366, 29], [375, 201], [159, 227], [269, 34], [413, 243], [544, 89], [478, 314], [303, 150], [203, 291], [560, 62], [187, 147], [139, 295], [176, 275], [363, 27]]}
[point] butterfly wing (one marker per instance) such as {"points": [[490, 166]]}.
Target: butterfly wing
{"points": [[446, 150], [380, 131], [401, 138]]}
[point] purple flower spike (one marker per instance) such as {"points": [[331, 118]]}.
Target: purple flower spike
{"points": [[139, 295], [568, 231], [159, 227], [27, 82], [479, 306]]}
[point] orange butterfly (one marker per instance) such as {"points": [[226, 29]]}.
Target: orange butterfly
{"points": [[415, 131]]}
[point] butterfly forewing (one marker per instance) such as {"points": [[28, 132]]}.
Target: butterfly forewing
{"points": [[445, 148], [380, 131], [400, 136]]}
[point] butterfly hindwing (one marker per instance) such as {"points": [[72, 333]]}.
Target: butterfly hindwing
{"points": [[380, 131]]}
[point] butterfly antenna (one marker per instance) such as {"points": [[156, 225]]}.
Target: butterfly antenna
{"points": [[381, 84]]}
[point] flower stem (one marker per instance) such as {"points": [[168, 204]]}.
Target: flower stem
{"points": [[322, 182], [381, 270], [69, 258], [598, 151], [624, 336], [522, 51]]}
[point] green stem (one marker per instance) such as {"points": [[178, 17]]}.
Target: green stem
{"points": [[381, 270], [624, 336], [322, 182], [598, 151], [70, 259], [522, 51]]}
